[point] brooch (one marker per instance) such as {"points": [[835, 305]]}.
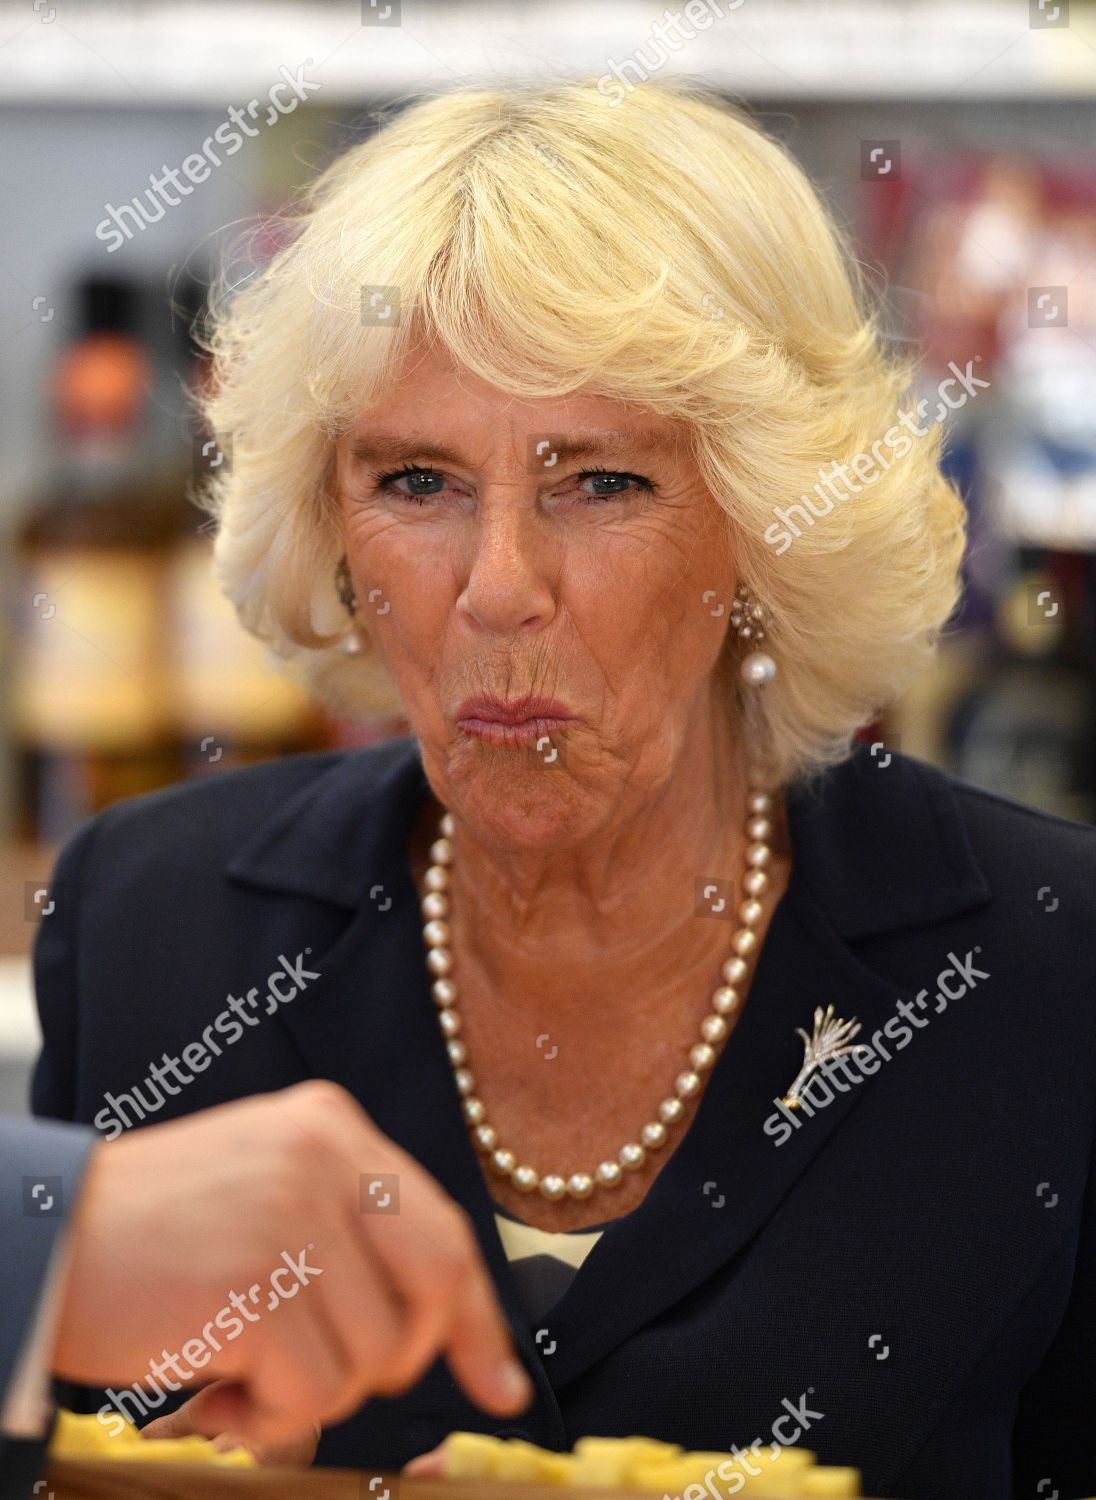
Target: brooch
{"points": [[830, 1040]]}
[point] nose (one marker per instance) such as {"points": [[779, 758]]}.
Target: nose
{"points": [[512, 565]]}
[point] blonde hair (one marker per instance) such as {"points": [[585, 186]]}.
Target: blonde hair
{"points": [[667, 253]]}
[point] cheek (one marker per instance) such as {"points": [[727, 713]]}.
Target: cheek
{"points": [[410, 605], [645, 589]]}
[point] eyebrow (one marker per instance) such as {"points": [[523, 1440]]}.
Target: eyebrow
{"points": [[379, 446]]}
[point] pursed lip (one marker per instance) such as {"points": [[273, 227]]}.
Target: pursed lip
{"points": [[487, 710]]}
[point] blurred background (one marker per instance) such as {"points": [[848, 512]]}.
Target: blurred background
{"points": [[956, 143]]}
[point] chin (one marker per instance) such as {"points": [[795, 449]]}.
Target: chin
{"points": [[511, 797]]}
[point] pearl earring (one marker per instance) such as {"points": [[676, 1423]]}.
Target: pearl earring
{"points": [[352, 644], [748, 620]]}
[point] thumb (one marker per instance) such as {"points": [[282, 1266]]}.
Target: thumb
{"points": [[427, 1465], [186, 1420], [223, 1412]]}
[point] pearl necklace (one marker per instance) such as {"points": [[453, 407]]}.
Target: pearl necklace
{"points": [[713, 1029]]}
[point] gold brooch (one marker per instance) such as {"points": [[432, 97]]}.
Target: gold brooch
{"points": [[830, 1040]]}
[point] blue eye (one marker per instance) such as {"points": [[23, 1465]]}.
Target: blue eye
{"points": [[414, 475], [612, 475]]}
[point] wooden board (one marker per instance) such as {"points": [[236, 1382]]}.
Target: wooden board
{"points": [[104, 1479]]}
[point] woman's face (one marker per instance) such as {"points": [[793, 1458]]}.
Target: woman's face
{"points": [[504, 564]]}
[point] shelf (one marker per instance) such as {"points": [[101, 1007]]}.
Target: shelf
{"points": [[214, 55]]}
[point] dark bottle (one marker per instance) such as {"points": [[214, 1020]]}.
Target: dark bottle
{"points": [[90, 705]]}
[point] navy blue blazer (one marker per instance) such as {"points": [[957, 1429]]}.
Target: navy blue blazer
{"points": [[910, 1269]]}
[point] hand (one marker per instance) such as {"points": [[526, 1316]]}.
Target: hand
{"points": [[187, 1420], [186, 1234]]}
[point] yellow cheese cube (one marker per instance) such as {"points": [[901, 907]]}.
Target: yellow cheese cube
{"points": [[472, 1455], [691, 1476], [76, 1435], [782, 1475], [614, 1461], [704, 1469], [648, 1464], [187, 1450], [523, 1460], [660, 1474], [722, 1474], [832, 1483]]}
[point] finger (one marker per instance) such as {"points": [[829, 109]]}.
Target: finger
{"points": [[433, 1258], [295, 1371], [417, 1288], [195, 1418], [305, 1372], [427, 1465], [480, 1352], [478, 1339], [370, 1316], [228, 1442], [181, 1422], [370, 1303], [241, 1421], [297, 1454]]}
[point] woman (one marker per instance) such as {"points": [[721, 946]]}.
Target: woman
{"points": [[761, 1064]]}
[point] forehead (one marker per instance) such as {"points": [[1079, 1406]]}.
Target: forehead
{"points": [[441, 409], [392, 445]]}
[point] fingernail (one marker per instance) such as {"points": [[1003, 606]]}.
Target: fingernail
{"points": [[514, 1383]]}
